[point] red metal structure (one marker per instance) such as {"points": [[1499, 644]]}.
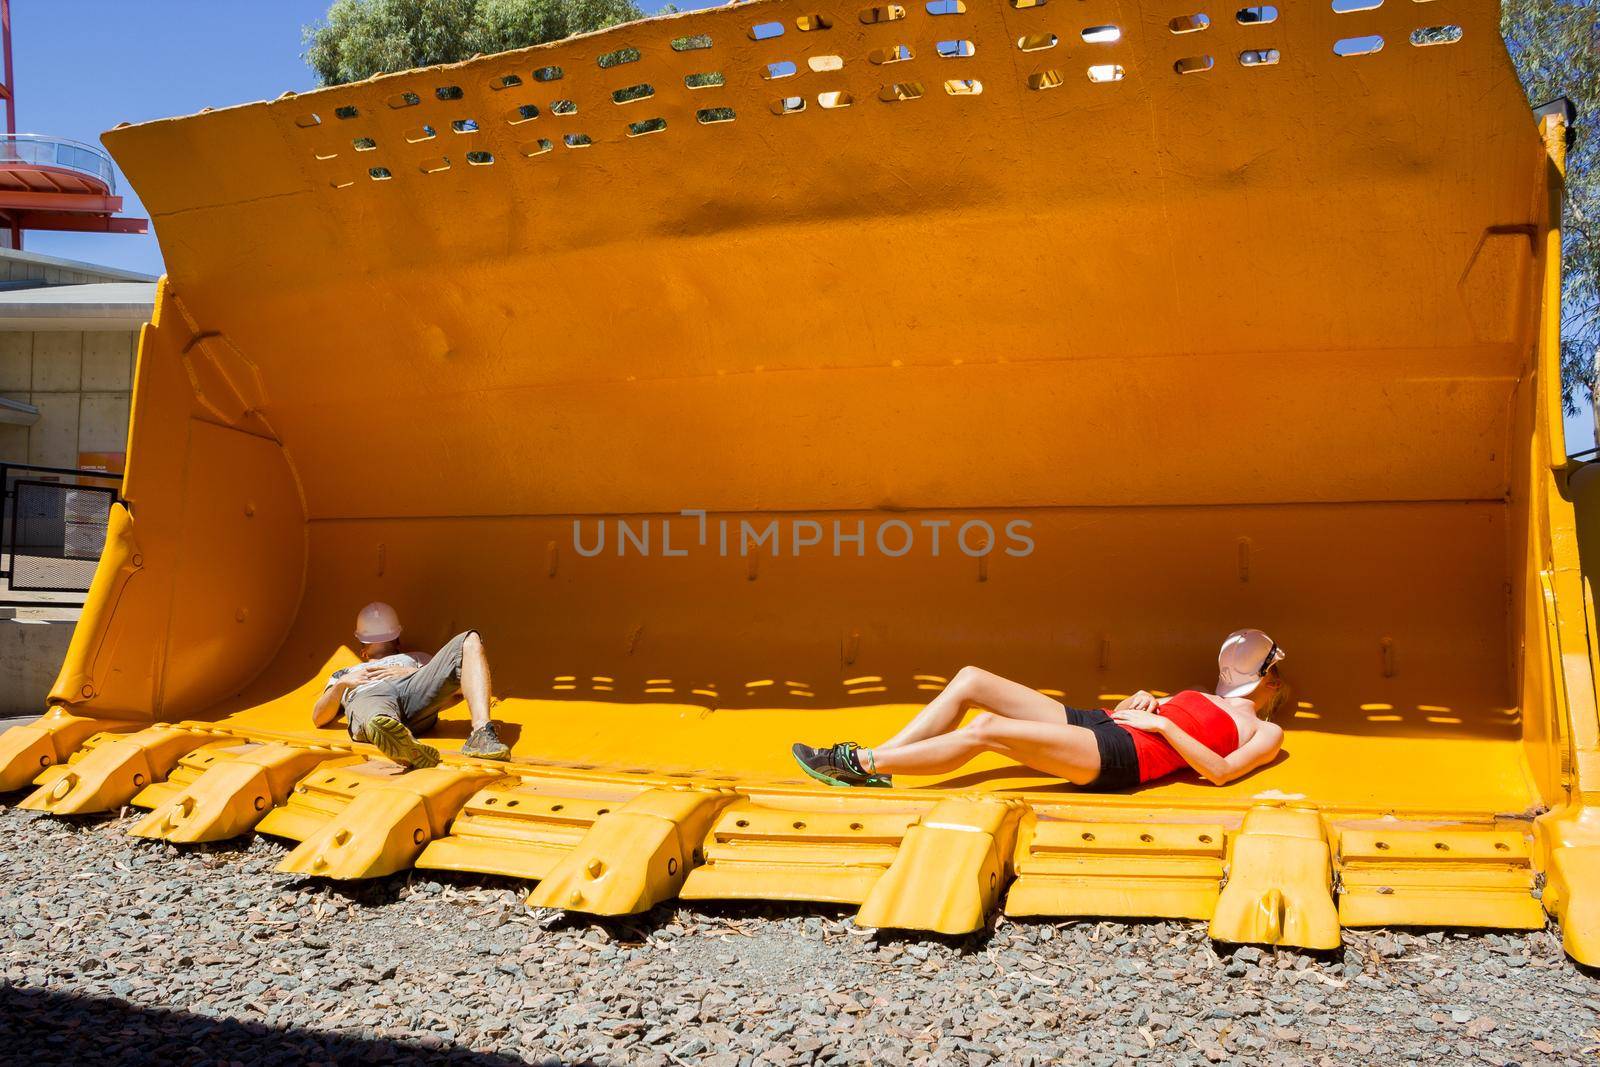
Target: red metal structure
{"points": [[51, 183]]}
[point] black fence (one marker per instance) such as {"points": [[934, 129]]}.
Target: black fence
{"points": [[52, 531]]}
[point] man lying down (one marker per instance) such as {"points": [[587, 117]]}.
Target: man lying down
{"points": [[394, 695]]}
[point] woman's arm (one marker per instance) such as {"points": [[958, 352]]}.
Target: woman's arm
{"points": [[1260, 750]]}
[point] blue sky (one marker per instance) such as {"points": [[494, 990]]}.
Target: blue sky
{"points": [[85, 65]]}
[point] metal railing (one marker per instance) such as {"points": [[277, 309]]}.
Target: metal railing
{"points": [[59, 152], [52, 530]]}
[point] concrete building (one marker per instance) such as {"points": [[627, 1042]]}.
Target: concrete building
{"points": [[68, 332]]}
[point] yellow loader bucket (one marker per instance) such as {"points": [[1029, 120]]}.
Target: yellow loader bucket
{"points": [[741, 375]]}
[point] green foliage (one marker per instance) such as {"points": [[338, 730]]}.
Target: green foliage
{"points": [[1555, 45], [360, 38]]}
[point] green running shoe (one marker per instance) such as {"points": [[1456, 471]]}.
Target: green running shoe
{"points": [[485, 743], [837, 765], [391, 737]]}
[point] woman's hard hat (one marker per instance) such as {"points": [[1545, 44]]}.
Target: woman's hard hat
{"points": [[1245, 658], [377, 623]]}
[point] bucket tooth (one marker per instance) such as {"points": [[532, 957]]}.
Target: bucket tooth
{"points": [[950, 869], [234, 788], [522, 827], [1279, 888], [1137, 869], [384, 828], [119, 767], [634, 857], [1572, 893], [1471, 876], [806, 849], [26, 751]]}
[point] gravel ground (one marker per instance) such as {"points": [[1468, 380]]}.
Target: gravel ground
{"points": [[119, 950]]}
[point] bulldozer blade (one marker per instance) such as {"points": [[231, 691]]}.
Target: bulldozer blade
{"points": [[385, 828], [28, 750], [635, 857], [230, 796], [115, 770]]}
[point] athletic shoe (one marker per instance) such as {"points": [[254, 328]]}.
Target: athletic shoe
{"points": [[391, 737], [486, 744], [837, 765]]}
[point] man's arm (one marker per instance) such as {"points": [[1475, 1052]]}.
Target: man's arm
{"points": [[1260, 750], [328, 704]]}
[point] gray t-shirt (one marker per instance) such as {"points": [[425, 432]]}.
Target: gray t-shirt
{"points": [[399, 659]]}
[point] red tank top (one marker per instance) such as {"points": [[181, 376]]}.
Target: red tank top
{"points": [[1196, 715]]}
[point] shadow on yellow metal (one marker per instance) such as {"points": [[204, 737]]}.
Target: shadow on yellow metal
{"points": [[752, 416]]}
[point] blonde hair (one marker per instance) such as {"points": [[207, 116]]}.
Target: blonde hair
{"points": [[1278, 697]]}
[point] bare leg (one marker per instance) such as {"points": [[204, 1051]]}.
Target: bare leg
{"points": [[973, 687], [475, 679], [1068, 752]]}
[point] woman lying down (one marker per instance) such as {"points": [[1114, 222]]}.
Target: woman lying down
{"points": [[1222, 735]]}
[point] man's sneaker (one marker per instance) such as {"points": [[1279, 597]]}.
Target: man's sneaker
{"points": [[486, 744], [837, 765], [391, 737]]}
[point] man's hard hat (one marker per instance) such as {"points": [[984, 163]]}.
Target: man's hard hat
{"points": [[377, 623], [1244, 660]]}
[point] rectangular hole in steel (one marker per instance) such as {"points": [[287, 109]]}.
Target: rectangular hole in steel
{"points": [[1427, 36], [505, 81], [480, 159], [364, 144], [900, 91], [349, 111], [1258, 15], [379, 174], [963, 87], [1189, 23], [535, 148], [1023, 5], [789, 105], [1045, 79], [822, 64], [644, 126], [1258, 57], [405, 99], [692, 43], [628, 94], [765, 31], [895, 53], [435, 165], [954, 49], [420, 133], [1194, 64], [521, 113], [548, 74], [946, 7], [1101, 34], [563, 107], [708, 116], [308, 120], [577, 140], [781, 69], [1358, 46], [835, 99], [617, 58], [882, 13], [704, 80], [1345, 7], [813, 23], [1036, 42], [465, 125], [449, 92], [1107, 72]]}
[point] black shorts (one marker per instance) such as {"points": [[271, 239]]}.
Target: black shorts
{"points": [[1119, 760]]}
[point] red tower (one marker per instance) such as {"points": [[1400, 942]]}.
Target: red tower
{"points": [[51, 183]]}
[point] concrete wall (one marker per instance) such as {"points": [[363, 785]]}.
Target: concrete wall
{"points": [[30, 657], [82, 385]]}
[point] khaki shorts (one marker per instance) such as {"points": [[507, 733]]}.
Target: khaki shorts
{"points": [[416, 699]]}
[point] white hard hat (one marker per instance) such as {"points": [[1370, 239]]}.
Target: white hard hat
{"points": [[377, 623], [1245, 658]]}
